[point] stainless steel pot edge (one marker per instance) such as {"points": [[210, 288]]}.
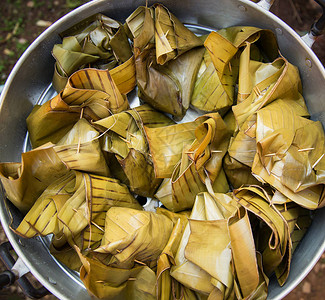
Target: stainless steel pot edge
{"points": [[78, 14]]}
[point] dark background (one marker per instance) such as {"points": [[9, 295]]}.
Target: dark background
{"points": [[22, 21]]}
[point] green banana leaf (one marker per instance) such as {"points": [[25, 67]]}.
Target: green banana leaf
{"points": [[98, 42], [215, 84]]}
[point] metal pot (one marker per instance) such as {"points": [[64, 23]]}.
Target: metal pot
{"points": [[32, 76]]}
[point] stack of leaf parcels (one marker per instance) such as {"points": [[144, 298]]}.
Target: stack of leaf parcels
{"points": [[236, 183]]}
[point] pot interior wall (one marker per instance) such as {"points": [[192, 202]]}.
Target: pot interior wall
{"points": [[33, 73]]}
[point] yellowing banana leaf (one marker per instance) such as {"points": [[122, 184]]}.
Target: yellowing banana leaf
{"points": [[167, 189], [94, 89], [237, 173], [288, 147], [126, 138], [89, 93], [271, 81], [166, 145], [133, 236], [72, 203], [298, 220], [91, 237], [208, 209], [210, 146], [67, 256], [243, 145], [106, 282], [192, 277], [244, 254], [99, 40], [214, 254], [183, 215], [221, 51], [144, 287], [185, 186], [159, 42], [261, 292], [69, 58], [124, 76], [171, 36], [166, 260], [95, 195], [51, 121], [202, 159], [24, 182], [212, 93], [215, 83], [42, 219], [143, 115], [80, 150], [140, 173], [142, 27], [274, 244], [264, 39]]}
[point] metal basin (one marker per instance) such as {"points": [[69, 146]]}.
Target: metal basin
{"points": [[32, 76]]}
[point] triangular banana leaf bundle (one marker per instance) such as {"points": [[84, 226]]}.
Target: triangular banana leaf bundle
{"points": [[267, 82], [225, 264], [290, 154], [261, 84], [24, 182], [134, 237], [187, 155], [214, 88], [98, 42], [91, 94], [80, 150], [126, 139], [167, 59], [70, 204], [106, 282]]}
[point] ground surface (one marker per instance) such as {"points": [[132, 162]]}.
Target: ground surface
{"points": [[22, 21]]}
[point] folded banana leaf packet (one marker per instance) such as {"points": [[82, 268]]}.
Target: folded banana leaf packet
{"points": [[146, 202]]}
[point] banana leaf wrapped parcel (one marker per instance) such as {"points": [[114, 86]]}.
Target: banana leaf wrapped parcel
{"points": [[98, 41], [147, 201]]}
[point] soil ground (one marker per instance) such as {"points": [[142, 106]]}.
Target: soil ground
{"points": [[22, 21]]}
